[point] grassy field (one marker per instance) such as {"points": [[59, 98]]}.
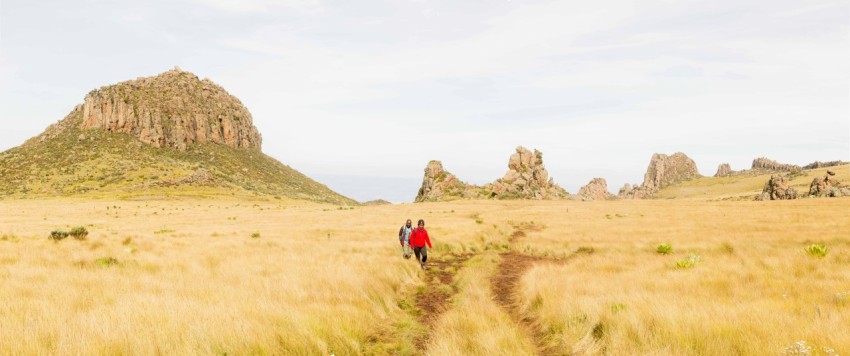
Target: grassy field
{"points": [[202, 276]]}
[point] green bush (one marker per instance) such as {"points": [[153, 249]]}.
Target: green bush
{"points": [[106, 261], [79, 233], [664, 249], [58, 235], [688, 262], [255, 235], [818, 251]]}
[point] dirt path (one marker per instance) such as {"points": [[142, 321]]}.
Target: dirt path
{"points": [[434, 300]]}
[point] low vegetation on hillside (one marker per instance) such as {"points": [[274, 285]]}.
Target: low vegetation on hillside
{"points": [[66, 160]]}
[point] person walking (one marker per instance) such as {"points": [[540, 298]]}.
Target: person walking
{"points": [[418, 239], [404, 238]]}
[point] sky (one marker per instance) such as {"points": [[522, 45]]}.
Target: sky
{"points": [[360, 95]]}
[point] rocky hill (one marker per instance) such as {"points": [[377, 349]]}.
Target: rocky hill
{"points": [[171, 134], [663, 171], [174, 109], [526, 178]]}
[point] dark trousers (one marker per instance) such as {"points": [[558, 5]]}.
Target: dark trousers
{"points": [[421, 250]]}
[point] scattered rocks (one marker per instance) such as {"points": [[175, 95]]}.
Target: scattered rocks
{"points": [[765, 164], [173, 109], [828, 186], [777, 188], [596, 189], [724, 170]]}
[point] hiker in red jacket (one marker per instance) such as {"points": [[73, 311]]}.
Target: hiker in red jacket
{"points": [[418, 239]]}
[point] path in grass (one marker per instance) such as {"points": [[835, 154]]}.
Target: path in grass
{"points": [[505, 285], [434, 298]]}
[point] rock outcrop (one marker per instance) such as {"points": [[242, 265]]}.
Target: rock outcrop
{"points": [[828, 186], [596, 189], [526, 178], [724, 170], [819, 164], [438, 185], [765, 164], [173, 109], [777, 188], [663, 171]]}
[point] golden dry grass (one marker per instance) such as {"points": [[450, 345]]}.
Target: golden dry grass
{"points": [[191, 279]]}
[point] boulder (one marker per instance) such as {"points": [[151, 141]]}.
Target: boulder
{"points": [[777, 188]]}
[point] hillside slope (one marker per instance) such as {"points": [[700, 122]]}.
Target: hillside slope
{"points": [[112, 159], [744, 186]]}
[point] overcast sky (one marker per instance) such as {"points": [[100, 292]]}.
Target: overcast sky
{"points": [[379, 88]]}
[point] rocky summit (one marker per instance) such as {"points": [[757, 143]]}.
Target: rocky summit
{"points": [[173, 109], [526, 178], [167, 135]]}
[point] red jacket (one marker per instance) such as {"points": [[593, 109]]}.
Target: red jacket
{"points": [[419, 237]]}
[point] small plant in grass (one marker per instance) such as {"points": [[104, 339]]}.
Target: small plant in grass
{"points": [[106, 261], [255, 235], [817, 250], [664, 249], [58, 235], [688, 262], [585, 249], [79, 233]]}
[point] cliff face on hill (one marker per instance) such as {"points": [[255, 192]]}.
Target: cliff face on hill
{"points": [[173, 109], [167, 135]]}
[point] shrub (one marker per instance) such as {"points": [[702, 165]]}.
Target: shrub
{"points": [[818, 251], [664, 249], [79, 233], [688, 262], [58, 235], [255, 235], [106, 261]]}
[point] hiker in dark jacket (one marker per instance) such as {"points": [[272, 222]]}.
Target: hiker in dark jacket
{"points": [[418, 239], [404, 238]]}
